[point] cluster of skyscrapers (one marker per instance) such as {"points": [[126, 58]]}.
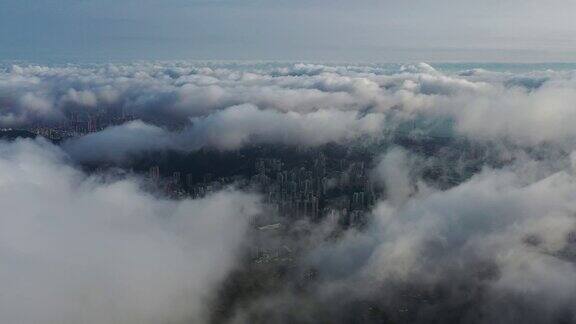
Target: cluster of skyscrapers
{"points": [[312, 189]]}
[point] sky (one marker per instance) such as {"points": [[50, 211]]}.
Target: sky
{"points": [[477, 227], [312, 30]]}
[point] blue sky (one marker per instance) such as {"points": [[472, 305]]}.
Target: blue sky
{"points": [[315, 30]]}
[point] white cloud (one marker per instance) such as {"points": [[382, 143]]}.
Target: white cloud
{"points": [[526, 108], [515, 221], [79, 249], [496, 248], [230, 128], [118, 143]]}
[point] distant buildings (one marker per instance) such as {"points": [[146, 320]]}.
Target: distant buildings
{"points": [[154, 173], [312, 189]]}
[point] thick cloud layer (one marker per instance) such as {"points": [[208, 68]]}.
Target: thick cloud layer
{"points": [[495, 247], [229, 105], [80, 249]]}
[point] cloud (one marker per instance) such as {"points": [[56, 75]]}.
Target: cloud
{"points": [[155, 90], [119, 143], [525, 107], [230, 128], [80, 249], [496, 248]]}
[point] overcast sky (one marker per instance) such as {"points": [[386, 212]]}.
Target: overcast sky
{"points": [[317, 30]]}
